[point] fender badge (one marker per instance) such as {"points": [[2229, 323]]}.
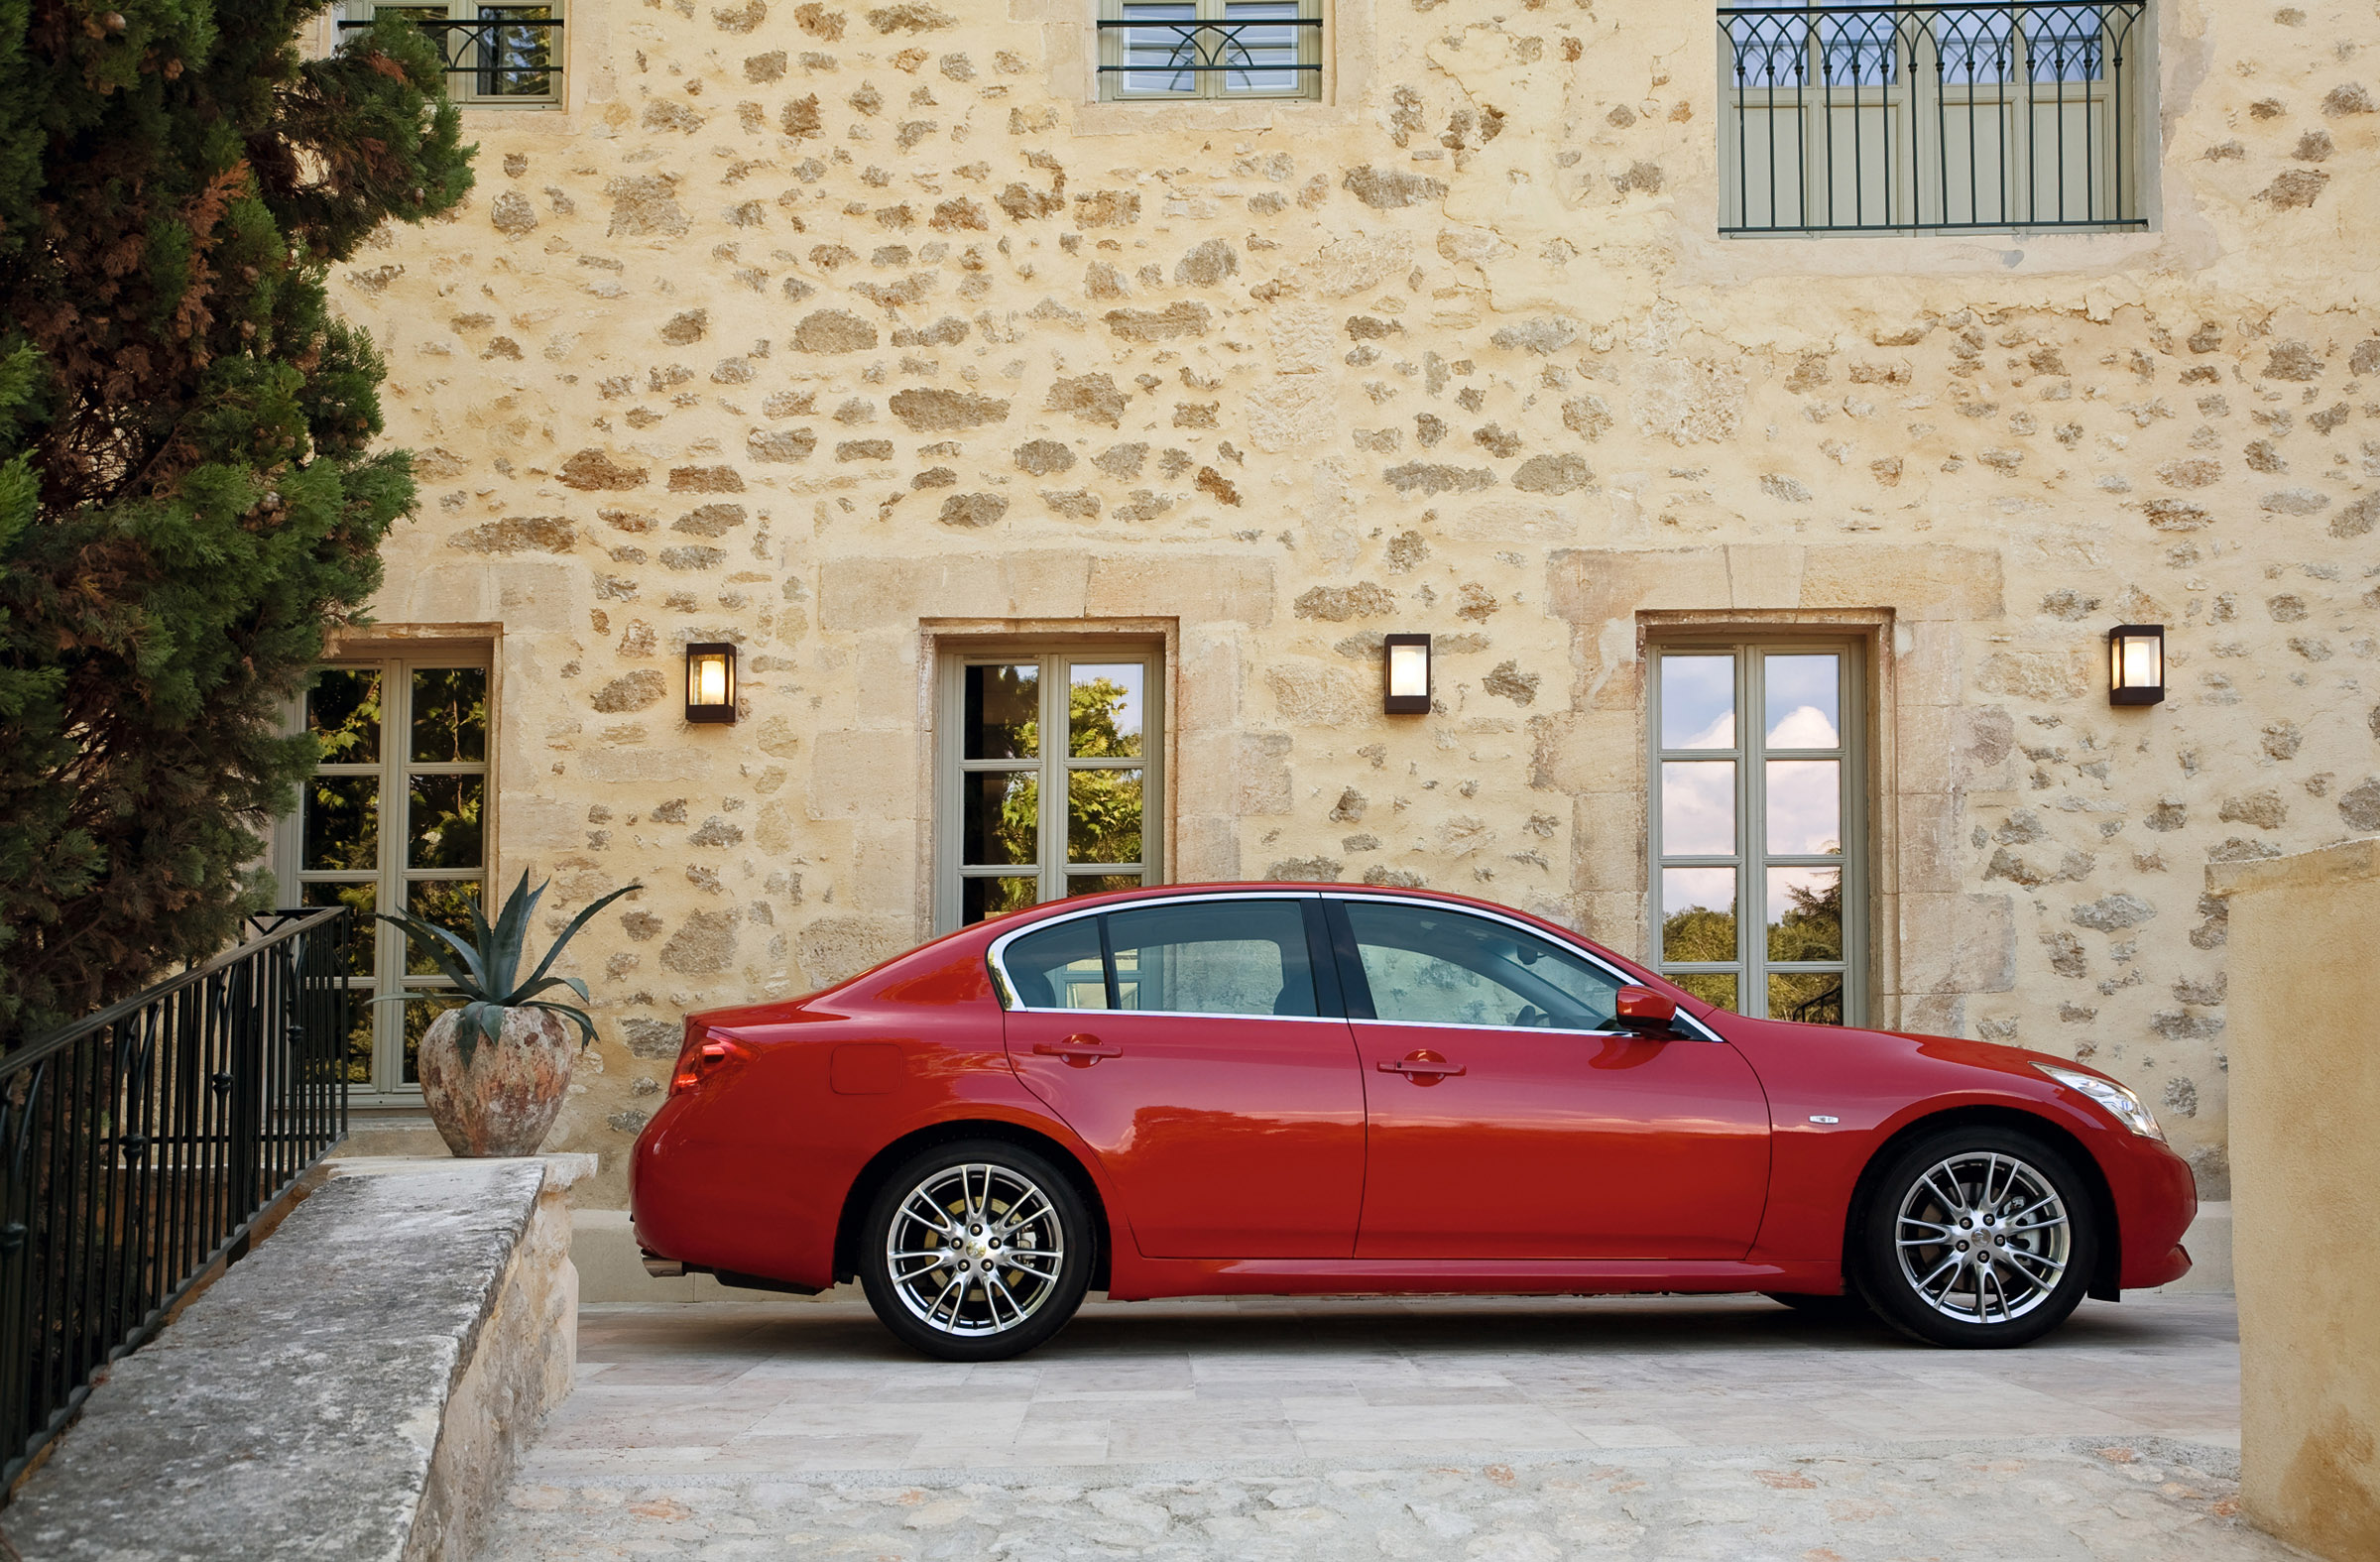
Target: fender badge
{"points": [[1817, 1118]]}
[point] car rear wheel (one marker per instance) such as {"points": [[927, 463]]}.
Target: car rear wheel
{"points": [[976, 1251], [1978, 1236]]}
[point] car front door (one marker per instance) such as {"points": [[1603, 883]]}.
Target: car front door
{"points": [[1508, 1121], [1199, 1048]]}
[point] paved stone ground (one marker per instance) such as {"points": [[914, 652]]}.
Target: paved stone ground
{"points": [[1637, 1427]]}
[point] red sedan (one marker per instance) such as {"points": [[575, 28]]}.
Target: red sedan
{"points": [[1243, 1088]]}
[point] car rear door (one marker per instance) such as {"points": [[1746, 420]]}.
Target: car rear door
{"points": [[1507, 1121], [1199, 1047]]}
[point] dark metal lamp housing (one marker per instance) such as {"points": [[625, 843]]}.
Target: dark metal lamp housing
{"points": [[2136, 665], [711, 682], [1405, 675]]}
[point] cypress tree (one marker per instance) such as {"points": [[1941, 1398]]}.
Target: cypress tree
{"points": [[189, 494]]}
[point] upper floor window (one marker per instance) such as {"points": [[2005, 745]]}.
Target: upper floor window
{"points": [[1205, 49], [1048, 779], [495, 54], [1903, 118], [1757, 810]]}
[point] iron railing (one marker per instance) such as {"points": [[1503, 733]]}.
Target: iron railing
{"points": [[1254, 48], [139, 1145], [1959, 115], [506, 52]]}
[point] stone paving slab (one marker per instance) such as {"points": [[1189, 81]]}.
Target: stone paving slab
{"points": [[1680, 1427]]}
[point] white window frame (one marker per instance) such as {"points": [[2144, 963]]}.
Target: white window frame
{"points": [[388, 1085], [1052, 871], [463, 86], [1751, 859], [1908, 114], [1208, 85]]}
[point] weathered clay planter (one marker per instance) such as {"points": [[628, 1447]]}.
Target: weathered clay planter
{"points": [[503, 1104]]}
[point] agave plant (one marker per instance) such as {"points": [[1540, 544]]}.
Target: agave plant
{"points": [[484, 969]]}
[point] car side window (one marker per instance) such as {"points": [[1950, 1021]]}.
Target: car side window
{"points": [[1058, 967], [1213, 957], [1428, 966]]}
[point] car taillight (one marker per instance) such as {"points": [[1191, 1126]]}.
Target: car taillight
{"points": [[705, 1056]]}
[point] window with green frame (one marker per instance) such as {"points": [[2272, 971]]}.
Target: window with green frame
{"points": [[1168, 50], [394, 815], [1049, 777], [1758, 813]]}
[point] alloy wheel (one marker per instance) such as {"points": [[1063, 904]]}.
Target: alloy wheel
{"points": [[974, 1249], [1982, 1238]]}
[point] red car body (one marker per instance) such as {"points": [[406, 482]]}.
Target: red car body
{"points": [[1552, 1164]]}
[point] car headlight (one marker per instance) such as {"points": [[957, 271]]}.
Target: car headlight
{"points": [[2120, 1103]]}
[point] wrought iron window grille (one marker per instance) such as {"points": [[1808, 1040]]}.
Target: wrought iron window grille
{"points": [[1165, 51], [139, 1145], [504, 52], [1955, 116]]}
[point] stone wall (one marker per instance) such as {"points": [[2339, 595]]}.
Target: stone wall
{"points": [[2304, 929], [838, 328]]}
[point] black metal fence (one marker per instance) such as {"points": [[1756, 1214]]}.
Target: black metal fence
{"points": [[139, 1145], [1960, 115], [505, 52]]}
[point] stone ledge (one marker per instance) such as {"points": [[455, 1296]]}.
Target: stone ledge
{"points": [[358, 1387]]}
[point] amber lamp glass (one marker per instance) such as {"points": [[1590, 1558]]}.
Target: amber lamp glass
{"points": [[711, 682], [2136, 665], [1407, 676]]}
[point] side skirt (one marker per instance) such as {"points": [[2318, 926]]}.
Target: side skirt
{"points": [[1142, 1279]]}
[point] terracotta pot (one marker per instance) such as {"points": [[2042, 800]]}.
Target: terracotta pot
{"points": [[503, 1104]]}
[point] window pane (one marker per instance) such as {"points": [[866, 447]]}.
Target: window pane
{"points": [[1102, 816], [1698, 702], [1697, 808], [1974, 47], [342, 824], [361, 928], [1805, 703], [1712, 987], [1228, 957], [1812, 997], [1159, 57], [1103, 706], [1805, 914], [442, 824], [1862, 49], [1805, 807], [363, 1016], [1101, 883], [451, 715], [1697, 914], [1056, 967], [1004, 712], [999, 819], [1433, 967], [2066, 43], [516, 62], [1263, 57], [342, 711], [442, 902], [981, 898]]}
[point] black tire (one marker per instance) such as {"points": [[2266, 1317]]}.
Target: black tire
{"points": [[2009, 1266], [1850, 1307], [1019, 1224]]}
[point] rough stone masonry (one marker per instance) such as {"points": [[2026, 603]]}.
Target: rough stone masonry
{"points": [[828, 327]]}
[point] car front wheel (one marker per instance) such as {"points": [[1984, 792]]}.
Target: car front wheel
{"points": [[977, 1250], [1978, 1236]]}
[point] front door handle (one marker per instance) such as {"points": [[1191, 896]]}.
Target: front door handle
{"points": [[1423, 1068], [1079, 1051]]}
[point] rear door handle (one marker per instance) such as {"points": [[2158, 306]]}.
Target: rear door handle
{"points": [[1080, 1052]]}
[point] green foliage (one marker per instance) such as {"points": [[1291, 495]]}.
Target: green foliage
{"points": [[485, 968], [1103, 807], [185, 495]]}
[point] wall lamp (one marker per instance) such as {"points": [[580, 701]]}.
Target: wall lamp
{"points": [[2136, 665], [711, 682], [1405, 675]]}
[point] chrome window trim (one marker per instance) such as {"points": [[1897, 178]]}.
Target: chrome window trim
{"points": [[996, 958]]}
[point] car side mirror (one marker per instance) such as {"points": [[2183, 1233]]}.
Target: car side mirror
{"points": [[1645, 1012]]}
